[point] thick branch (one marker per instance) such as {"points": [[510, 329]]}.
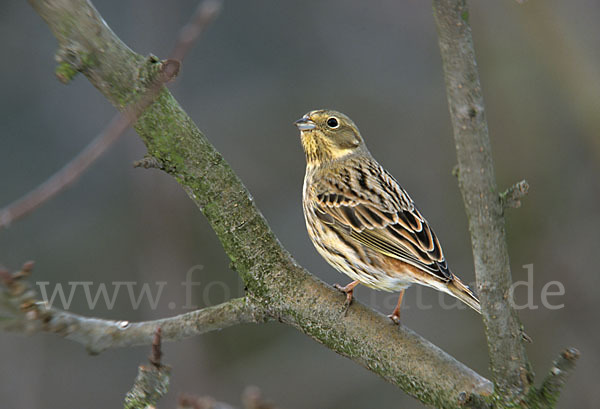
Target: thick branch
{"points": [[273, 279], [477, 183]]}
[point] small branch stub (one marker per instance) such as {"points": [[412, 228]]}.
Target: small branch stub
{"points": [[556, 379], [512, 196]]}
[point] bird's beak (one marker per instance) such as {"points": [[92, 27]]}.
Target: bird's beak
{"points": [[305, 123]]}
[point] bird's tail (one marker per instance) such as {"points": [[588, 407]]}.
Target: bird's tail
{"points": [[462, 291]]}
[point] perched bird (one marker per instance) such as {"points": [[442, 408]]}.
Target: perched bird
{"points": [[362, 221]]}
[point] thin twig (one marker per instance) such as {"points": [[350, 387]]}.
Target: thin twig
{"points": [[206, 12], [75, 168], [156, 354], [66, 176]]}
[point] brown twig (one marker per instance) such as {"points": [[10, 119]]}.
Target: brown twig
{"points": [[66, 176], [156, 354], [75, 168], [206, 12]]}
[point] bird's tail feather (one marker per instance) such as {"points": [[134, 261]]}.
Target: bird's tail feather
{"points": [[462, 291]]}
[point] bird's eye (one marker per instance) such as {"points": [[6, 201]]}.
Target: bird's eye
{"points": [[332, 122]]}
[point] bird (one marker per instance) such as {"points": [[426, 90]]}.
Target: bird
{"points": [[362, 222]]}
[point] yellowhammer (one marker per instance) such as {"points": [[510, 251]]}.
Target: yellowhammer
{"points": [[362, 221]]}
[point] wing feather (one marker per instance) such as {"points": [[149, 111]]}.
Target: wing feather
{"points": [[384, 220]]}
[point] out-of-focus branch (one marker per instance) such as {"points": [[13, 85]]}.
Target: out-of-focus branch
{"points": [[66, 176], [559, 373], [206, 12], [477, 182], [251, 398], [274, 282], [75, 168], [188, 401]]}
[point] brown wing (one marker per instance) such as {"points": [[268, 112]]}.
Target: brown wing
{"points": [[369, 206]]}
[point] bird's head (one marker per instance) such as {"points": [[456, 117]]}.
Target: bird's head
{"points": [[328, 136]]}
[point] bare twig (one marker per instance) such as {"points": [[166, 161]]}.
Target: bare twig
{"points": [[513, 195], [206, 12], [477, 182], [66, 176], [75, 168], [156, 354]]}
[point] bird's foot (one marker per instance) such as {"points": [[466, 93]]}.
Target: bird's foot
{"points": [[395, 318], [349, 291], [395, 315]]}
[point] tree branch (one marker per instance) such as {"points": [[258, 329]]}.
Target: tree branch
{"points": [[477, 182], [274, 281], [98, 334], [22, 312]]}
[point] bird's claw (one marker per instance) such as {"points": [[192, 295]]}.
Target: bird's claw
{"points": [[349, 296], [395, 318]]}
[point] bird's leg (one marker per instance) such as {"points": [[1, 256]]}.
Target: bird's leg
{"points": [[348, 290], [395, 315]]}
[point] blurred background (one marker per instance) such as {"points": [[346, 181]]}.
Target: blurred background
{"points": [[261, 65]]}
